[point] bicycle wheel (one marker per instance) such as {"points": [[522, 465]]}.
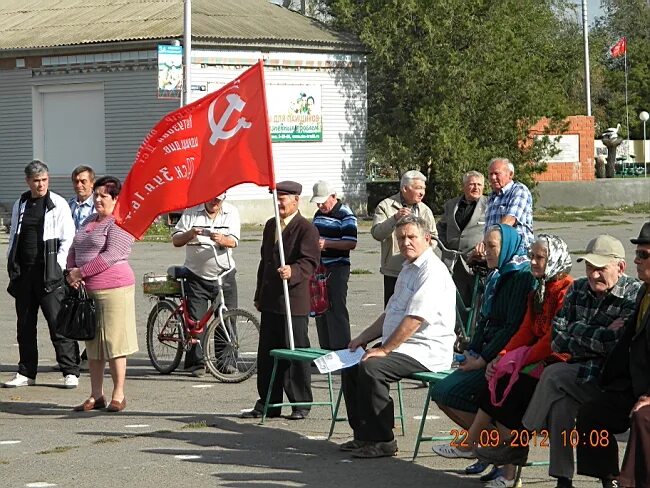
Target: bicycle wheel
{"points": [[164, 343], [232, 357]]}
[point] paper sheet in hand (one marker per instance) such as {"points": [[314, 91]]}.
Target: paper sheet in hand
{"points": [[341, 359]]}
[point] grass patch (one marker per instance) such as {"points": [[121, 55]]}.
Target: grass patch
{"points": [[106, 440], [578, 252], [158, 232], [360, 271], [58, 450], [249, 239], [604, 223], [573, 214], [2, 461], [195, 425]]}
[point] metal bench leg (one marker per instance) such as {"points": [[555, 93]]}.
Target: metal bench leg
{"points": [[335, 413], [423, 420], [401, 407], [268, 393], [330, 391]]}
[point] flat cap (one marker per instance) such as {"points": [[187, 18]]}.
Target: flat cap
{"points": [[288, 188]]}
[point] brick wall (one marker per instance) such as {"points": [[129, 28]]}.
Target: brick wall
{"points": [[582, 126]]}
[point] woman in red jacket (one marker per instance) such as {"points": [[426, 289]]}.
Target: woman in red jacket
{"points": [[550, 264]]}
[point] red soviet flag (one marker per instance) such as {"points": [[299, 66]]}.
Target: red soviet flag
{"points": [[199, 151], [618, 49]]}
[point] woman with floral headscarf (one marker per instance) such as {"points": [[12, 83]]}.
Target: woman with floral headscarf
{"points": [[504, 304], [550, 265]]}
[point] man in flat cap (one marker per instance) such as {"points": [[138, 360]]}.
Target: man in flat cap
{"points": [[625, 398], [302, 253], [587, 327]]}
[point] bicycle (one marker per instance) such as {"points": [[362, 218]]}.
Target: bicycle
{"points": [[231, 337], [465, 330]]}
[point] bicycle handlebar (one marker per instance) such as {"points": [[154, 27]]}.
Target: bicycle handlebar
{"points": [[214, 250]]}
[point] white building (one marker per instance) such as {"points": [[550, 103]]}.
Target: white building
{"points": [[79, 85]]}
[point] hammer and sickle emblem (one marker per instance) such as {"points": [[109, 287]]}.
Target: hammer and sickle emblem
{"points": [[235, 103]]}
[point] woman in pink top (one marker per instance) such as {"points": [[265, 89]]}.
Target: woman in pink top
{"points": [[98, 258]]}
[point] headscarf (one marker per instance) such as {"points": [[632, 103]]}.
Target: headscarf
{"points": [[558, 261], [511, 259]]}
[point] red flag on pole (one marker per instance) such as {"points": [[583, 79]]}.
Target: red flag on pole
{"points": [[199, 151], [619, 49]]}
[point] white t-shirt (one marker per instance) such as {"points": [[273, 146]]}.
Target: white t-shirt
{"points": [[200, 259], [425, 289]]}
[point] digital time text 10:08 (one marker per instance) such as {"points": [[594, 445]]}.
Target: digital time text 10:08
{"points": [[529, 438]]}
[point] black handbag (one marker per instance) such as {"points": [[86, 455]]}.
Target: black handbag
{"points": [[76, 318]]}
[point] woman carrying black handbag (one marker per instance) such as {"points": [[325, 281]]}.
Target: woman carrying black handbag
{"points": [[98, 259]]}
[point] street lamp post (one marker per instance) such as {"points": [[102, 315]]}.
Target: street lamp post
{"points": [[644, 116]]}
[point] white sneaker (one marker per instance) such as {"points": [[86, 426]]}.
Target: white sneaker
{"points": [[70, 381], [501, 482], [452, 452], [19, 380]]}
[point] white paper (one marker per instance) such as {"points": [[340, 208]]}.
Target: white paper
{"points": [[341, 359]]}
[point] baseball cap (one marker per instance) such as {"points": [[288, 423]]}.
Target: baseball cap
{"points": [[602, 250], [321, 192]]}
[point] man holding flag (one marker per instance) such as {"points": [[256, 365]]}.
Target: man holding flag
{"points": [[302, 251]]}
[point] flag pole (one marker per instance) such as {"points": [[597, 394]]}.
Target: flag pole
{"points": [[278, 227], [187, 52], [285, 285], [585, 35], [627, 112]]}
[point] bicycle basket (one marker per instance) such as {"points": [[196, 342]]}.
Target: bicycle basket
{"points": [[160, 285]]}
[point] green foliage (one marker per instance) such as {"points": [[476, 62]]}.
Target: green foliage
{"points": [[454, 83], [159, 231]]}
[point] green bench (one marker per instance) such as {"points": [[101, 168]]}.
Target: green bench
{"points": [[298, 354]]}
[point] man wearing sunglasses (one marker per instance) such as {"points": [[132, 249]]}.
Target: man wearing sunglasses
{"points": [[625, 398]]}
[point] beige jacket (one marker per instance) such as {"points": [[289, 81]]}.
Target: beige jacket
{"points": [[383, 230]]}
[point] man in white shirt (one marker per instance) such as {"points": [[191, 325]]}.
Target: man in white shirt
{"points": [[214, 223], [417, 334]]}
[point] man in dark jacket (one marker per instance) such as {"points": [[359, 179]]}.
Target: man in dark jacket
{"points": [[302, 254], [625, 381], [41, 233]]}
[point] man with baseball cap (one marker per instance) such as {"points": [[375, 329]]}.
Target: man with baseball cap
{"points": [[625, 398], [587, 327], [337, 227], [300, 244], [213, 223]]}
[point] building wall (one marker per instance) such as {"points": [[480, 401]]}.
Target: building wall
{"points": [[132, 109], [581, 170]]}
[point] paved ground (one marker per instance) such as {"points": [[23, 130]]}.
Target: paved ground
{"points": [[179, 430]]}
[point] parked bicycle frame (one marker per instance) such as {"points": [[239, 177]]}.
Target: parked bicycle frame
{"points": [[231, 336]]}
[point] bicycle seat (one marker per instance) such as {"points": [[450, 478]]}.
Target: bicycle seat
{"points": [[178, 272]]}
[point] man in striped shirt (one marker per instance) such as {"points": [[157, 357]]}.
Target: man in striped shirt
{"points": [[337, 227]]}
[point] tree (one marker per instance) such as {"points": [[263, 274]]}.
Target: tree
{"points": [[629, 18], [454, 83]]}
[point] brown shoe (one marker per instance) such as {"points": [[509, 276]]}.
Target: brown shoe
{"points": [[116, 406], [91, 404], [376, 450]]}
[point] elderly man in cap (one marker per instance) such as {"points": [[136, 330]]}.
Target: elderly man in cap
{"points": [[337, 227], [213, 225], [625, 397], [301, 250], [389, 211], [587, 327]]}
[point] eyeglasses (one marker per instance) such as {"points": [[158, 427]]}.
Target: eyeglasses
{"points": [[642, 254]]}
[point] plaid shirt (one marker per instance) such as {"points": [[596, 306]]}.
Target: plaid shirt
{"points": [[514, 200], [580, 327]]}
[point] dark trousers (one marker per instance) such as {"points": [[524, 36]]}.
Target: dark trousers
{"points": [[333, 326], [635, 471], [366, 392], [292, 376], [29, 297], [199, 293], [609, 412], [389, 288]]}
